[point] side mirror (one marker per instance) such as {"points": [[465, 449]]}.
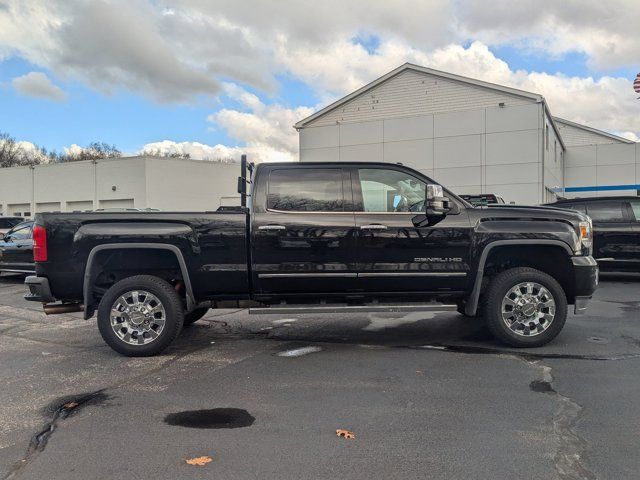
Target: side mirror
{"points": [[436, 207], [436, 204]]}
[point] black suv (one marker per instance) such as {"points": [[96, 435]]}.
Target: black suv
{"points": [[616, 229]]}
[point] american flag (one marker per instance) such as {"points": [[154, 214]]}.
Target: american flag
{"points": [[636, 84]]}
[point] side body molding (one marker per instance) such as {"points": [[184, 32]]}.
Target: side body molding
{"points": [[472, 303], [88, 272]]}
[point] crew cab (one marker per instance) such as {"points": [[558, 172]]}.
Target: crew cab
{"points": [[317, 237]]}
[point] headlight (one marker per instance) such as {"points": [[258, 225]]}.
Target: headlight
{"points": [[586, 234]]}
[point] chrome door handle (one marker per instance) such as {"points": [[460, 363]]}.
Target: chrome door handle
{"points": [[373, 226], [272, 227]]}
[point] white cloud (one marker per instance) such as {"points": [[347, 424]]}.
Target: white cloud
{"points": [[37, 84], [195, 150], [266, 130], [181, 50]]}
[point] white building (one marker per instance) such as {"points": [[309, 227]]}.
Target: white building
{"points": [[168, 184], [472, 136]]}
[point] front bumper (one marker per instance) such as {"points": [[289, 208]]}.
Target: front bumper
{"points": [[39, 289], [586, 275]]}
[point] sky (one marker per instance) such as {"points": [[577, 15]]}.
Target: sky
{"points": [[215, 78]]}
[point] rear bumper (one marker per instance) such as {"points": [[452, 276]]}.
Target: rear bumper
{"points": [[586, 275], [39, 290]]}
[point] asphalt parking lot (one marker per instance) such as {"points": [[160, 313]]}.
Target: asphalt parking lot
{"points": [[428, 395]]}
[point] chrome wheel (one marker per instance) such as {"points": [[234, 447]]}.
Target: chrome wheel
{"points": [[528, 309], [137, 317]]}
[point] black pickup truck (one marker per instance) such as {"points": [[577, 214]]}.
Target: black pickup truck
{"points": [[317, 237]]}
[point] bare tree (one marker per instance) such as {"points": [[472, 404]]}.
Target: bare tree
{"points": [[12, 154], [93, 151], [155, 152]]}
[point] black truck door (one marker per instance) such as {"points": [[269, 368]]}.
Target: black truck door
{"points": [[302, 231], [614, 234], [393, 254]]}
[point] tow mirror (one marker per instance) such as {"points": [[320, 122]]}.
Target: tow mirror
{"points": [[436, 207], [436, 204]]}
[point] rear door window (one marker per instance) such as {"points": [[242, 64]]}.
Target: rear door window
{"points": [[306, 190], [606, 211]]}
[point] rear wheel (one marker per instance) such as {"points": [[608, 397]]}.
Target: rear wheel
{"points": [[140, 316], [194, 315], [525, 307]]}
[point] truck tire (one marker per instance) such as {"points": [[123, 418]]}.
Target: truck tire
{"points": [[525, 307], [194, 315], [140, 316]]}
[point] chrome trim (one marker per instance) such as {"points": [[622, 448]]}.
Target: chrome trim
{"points": [[11, 270], [272, 227], [337, 308], [373, 226], [341, 213], [413, 274], [314, 274]]}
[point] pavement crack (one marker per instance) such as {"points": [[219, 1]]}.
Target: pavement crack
{"points": [[61, 410], [569, 455], [526, 356]]}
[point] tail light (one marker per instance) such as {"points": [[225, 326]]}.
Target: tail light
{"points": [[39, 244]]}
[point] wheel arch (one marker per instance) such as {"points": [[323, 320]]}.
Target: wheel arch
{"points": [[471, 306], [89, 272]]}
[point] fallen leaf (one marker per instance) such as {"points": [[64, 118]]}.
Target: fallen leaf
{"points": [[341, 432], [199, 461], [70, 405]]}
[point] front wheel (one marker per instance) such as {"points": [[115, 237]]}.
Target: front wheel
{"points": [[140, 316], [525, 307]]}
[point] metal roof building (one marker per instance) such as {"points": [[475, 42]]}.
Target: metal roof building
{"points": [[471, 135], [170, 184]]}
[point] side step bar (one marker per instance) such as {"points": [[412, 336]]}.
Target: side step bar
{"points": [[338, 308]]}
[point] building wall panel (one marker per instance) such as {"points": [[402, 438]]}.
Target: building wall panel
{"points": [[372, 152], [458, 151], [416, 154], [408, 128], [319, 137], [512, 147], [361, 133]]}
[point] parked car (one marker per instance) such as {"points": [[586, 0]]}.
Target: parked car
{"points": [[616, 229], [7, 223], [483, 199], [319, 237], [16, 249]]}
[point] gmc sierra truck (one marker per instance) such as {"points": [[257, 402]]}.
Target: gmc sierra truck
{"points": [[317, 237]]}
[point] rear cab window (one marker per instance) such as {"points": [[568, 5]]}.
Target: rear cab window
{"points": [[306, 190]]}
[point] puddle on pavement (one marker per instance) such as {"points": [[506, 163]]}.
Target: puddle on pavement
{"points": [[212, 418], [299, 352], [541, 386]]}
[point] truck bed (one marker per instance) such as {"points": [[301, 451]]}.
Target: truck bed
{"points": [[213, 245]]}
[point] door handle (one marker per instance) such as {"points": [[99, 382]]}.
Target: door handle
{"points": [[373, 226], [272, 227]]}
